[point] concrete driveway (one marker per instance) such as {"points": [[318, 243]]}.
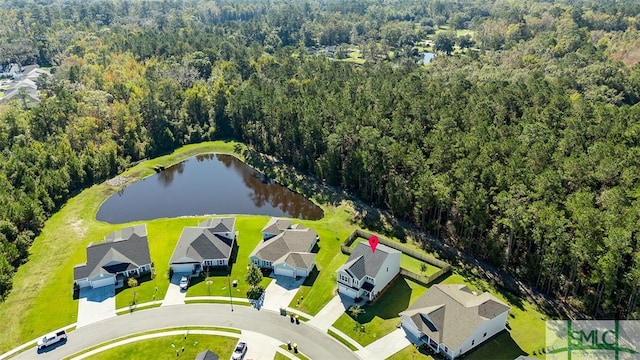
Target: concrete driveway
{"points": [[385, 346], [96, 304], [174, 295], [331, 312], [280, 292]]}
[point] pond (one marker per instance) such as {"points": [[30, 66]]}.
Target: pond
{"points": [[205, 185], [427, 57]]}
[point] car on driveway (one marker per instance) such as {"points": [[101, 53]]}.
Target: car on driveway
{"points": [[240, 351], [184, 282]]}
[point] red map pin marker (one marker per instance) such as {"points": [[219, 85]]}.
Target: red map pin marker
{"points": [[373, 242]]}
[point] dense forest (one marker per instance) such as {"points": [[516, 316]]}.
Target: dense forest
{"points": [[519, 143]]}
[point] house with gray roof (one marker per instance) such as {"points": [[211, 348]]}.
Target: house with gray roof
{"points": [[122, 254], [210, 244], [452, 320], [207, 355], [367, 272], [288, 253]]}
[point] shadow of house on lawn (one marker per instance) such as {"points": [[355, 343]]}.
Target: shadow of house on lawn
{"points": [[499, 347], [395, 300], [311, 278]]}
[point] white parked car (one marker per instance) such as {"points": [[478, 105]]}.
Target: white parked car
{"points": [[51, 339], [240, 351], [184, 283]]}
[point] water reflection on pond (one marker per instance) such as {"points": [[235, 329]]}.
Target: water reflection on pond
{"points": [[205, 184]]}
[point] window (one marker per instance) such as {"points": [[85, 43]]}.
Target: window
{"points": [[220, 262], [485, 335], [473, 342]]}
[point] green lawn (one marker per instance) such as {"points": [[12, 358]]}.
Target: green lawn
{"points": [[165, 347], [44, 285], [415, 265], [410, 353], [320, 286], [279, 356], [381, 318]]}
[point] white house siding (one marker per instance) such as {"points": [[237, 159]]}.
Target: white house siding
{"points": [[182, 268], [389, 269], [491, 327], [409, 327]]}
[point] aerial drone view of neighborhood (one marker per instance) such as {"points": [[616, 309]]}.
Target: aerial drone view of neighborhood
{"points": [[319, 179]]}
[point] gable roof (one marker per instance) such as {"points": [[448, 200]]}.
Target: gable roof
{"points": [[450, 313], [207, 355], [292, 240], [301, 260], [365, 262], [276, 225], [199, 243], [122, 250], [219, 225]]}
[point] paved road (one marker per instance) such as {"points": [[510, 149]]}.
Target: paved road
{"points": [[311, 341]]}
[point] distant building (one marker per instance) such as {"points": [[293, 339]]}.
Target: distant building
{"points": [[23, 78]]}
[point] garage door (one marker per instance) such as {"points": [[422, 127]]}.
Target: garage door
{"points": [[284, 272], [182, 268], [347, 291], [103, 282]]}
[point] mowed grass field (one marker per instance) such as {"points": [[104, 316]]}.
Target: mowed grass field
{"points": [[165, 347], [42, 296]]}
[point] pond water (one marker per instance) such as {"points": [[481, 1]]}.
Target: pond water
{"points": [[204, 185], [427, 57]]}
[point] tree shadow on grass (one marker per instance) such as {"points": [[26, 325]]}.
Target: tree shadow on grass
{"points": [[395, 300]]}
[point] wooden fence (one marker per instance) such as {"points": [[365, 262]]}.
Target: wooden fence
{"points": [[424, 280]]}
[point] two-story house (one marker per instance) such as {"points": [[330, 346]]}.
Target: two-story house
{"points": [[367, 272], [452, 320]]}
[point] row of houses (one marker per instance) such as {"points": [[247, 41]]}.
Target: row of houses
{"points": [[449, 319], [23, 78], [285, 248]]}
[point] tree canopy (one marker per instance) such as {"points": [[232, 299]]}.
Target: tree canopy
{"points": [[517, 144]]}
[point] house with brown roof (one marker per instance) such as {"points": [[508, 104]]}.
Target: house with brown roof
{"points": [[288, 252], [452, 320], [122, 254], [210, 244], [367, 272]]}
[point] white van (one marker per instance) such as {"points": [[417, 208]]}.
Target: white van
{"points": [[52, 338]]}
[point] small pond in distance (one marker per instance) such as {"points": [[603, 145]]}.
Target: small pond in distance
{"points": [[203, 185]]}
